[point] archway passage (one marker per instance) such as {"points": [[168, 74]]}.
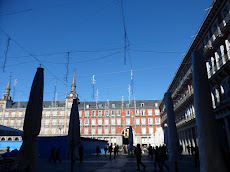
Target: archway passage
{"points": [[125, 136]]}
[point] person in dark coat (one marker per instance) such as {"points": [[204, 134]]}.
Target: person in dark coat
{"points": [[81, 152], [150, 149], [105, 149], [58, 151], [157, 159], [115, 151], [138, 156], [98, 150], [110, 150], [52, 155]]}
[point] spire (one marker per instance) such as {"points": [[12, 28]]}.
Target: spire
{"points": [[6, 96], [73, 86], [73, 89]]}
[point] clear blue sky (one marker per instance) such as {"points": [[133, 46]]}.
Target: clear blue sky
{"points": [[162, 30]]}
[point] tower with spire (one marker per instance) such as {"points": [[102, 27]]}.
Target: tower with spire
{"points": [[73, 94], [6, 100]]}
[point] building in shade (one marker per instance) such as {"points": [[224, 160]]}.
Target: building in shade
{"points": [[214, 38], [104, 120]]}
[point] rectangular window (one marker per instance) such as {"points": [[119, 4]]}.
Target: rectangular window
{"points": [[143, 130], [99, 113], [137, 121], [93, 113], [150, 112], [87, 113], [54, 113], [62, 113], [150, 130], [19, 122], [127, 105], [113, 112], [6, 122], [127, 113], [113, 121], [46, 131], [86, 121], [137, 112], [70, 104], [157, 120], [142, 112], [93, 131], [12, 114], [12, 122], [106, 121], [118, 121], [113, 105], [61, 121], [19, 114], [142, 104], [113, 130], [150, 120], [100, 106], [156, 105], [53, 130], [86, 131], [118, 113], [99, 130], [54, 122], [157, 112], [106, 130], [143, 121], [99, 121], [93, 121], [80, 113], [47, 121], [127, 121], [87, 106], [106, 113], [6, 114]]}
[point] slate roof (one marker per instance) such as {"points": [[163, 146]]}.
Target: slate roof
{"points": [[92, 104]]}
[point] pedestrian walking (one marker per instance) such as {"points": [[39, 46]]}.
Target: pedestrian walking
{"points": [[150, 149], [58, 151], [163, 157], [115, 151], [98, 150], [81, 152], [52, 155], [138, 156], [157, 159], [110, 150], [105, 149]]}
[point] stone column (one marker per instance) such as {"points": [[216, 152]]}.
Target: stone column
{"points": [[205, 118], [173, 142], [227, 132]]}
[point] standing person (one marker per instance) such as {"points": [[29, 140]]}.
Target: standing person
{"points": [[52, 155], [80, 152], [98, 150], [115, 151], [105, 149], [163, 157], [110, 150], [188, 148], [196, 156], [157, 159], [58, 151], [138, 156], [150, 149]]}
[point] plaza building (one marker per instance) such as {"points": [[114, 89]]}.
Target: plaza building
{"points": [[214, 38], [103, 120]]}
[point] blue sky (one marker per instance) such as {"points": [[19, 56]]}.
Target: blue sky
{"points": [[159, 32]]}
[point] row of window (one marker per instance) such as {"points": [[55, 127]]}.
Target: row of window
{"points": [[86, 113], [117, 121], [95, 113], [87, 106], [113, 130]]}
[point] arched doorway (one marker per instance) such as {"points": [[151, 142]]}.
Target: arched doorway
{"points": [[3, 139], [9, 139]]}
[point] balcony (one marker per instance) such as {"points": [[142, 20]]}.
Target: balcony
{"points": [[183, 100], [184, 121], [186, 76], [224, 26], [219, 64]]}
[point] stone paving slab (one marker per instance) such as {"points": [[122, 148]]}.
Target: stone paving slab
{"points": [[123, 163]]}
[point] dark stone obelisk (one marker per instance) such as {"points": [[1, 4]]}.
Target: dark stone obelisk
{"points": [[211, 159]]}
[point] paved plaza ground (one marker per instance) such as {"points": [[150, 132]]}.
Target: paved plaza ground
{"points": [[102, 163]]}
